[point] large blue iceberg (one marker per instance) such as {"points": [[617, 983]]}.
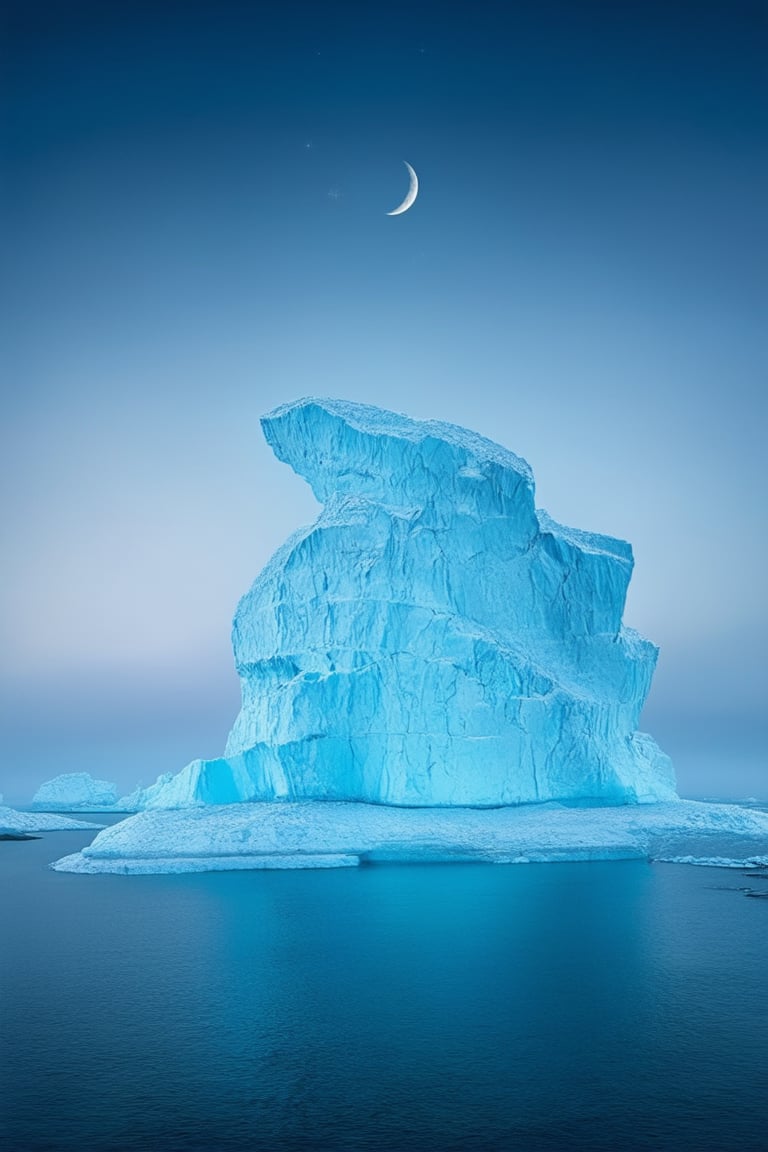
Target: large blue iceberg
{"points": [[432, 639]]}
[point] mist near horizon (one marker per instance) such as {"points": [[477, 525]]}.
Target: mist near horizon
{"points": [[195, 231]]}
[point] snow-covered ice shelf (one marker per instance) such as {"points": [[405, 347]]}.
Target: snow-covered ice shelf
{"points": [[313, 834]]}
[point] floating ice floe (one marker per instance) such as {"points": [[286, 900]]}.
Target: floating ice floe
{"points": [[12, 822]]}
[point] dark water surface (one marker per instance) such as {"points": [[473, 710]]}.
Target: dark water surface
{"points": [[592, 1006]]}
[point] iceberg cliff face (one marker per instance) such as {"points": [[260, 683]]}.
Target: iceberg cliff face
{"points": [[432, 639]]}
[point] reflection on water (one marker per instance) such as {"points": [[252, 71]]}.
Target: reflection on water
{"points": [[585, 1006]]}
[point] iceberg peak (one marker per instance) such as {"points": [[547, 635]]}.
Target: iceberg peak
{"points": [[355, 450]]}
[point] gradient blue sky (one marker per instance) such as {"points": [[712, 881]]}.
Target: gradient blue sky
{"points": [[193, 207]]}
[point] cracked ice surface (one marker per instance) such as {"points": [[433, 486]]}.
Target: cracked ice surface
{"points": [[432, 639]]}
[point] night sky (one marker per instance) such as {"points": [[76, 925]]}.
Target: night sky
{"points": [[194, 204]]}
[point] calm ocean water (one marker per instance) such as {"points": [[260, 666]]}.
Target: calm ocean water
{"points": [[617, 1005]]}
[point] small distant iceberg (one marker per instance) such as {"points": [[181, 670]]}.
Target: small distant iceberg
{"points": [[79, 792]]}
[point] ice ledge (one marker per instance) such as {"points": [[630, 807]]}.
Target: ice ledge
{"points": [[314, 834]]}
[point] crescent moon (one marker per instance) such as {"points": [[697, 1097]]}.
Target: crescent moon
{"points": [[412, 193]]}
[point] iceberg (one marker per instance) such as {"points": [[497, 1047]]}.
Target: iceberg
{"points": [[432, 640], [75, 792], [323, 834]]}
